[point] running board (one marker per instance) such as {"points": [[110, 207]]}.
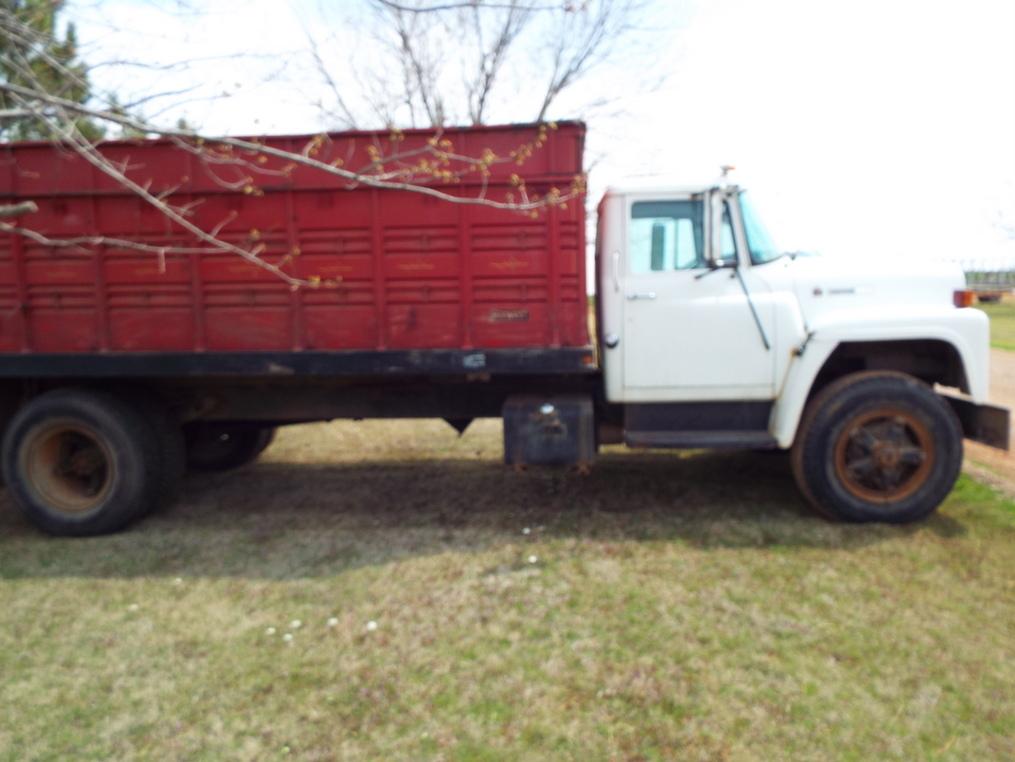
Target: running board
{"points": [[748, 440]]}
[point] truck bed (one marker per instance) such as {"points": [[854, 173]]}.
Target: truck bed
{"points": [[414, 284]]}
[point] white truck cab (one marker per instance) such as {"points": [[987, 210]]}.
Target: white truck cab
{"points": [[713, 337]]}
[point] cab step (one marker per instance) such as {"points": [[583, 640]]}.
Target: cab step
{"points": [[747, 440]]}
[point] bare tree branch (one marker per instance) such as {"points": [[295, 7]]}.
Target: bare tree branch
{"points": [[89, 153], [559, 42], [492, 59], [348, 119], [16, 210], [581, 41], [354, 178], [479, 5], [420, 63], [240, 164]]}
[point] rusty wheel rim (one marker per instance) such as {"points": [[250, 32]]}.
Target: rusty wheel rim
{"points": [[69, 465], [884, 455]]}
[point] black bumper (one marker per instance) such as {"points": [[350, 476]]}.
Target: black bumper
{"points": [[989, 424]]}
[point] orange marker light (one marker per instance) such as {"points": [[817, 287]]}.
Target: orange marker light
{"points": [[964, 298]]}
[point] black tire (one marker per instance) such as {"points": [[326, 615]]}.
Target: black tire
{"points": [[223, 447], [80, 462], [172, 449], [877, 446]]}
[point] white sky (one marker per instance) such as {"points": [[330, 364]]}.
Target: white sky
{"points": [[867, 127]]}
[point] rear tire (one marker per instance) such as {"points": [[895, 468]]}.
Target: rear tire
{"points": [[223, 447], [80, 463], [172, 449], [877, 446]]}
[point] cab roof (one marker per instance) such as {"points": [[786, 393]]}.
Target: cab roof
{"points": [[628, 188]]}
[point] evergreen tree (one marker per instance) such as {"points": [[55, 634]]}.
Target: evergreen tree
{"points": [[33, 55]]}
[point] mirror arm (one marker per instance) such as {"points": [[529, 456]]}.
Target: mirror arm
{"points": [[754, 312], [712, 267]]}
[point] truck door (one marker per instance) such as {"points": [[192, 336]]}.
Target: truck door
{"points": [[688, 329]]}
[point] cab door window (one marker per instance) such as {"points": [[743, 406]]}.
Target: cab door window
{"points": [[666, 236]]}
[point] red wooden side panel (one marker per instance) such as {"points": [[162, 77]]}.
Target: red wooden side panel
{"points": [[400, 270]]}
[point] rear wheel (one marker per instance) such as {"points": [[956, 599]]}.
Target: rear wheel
{"points": [[877, 447], [222, 447], [171, 449], [80, 463]]}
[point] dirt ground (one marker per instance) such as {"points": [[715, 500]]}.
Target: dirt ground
{"points": [[987, 464]]}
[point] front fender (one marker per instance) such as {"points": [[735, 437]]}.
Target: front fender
{"points": [[966, 330]]}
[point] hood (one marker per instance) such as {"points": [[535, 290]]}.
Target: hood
{"points": [[826, 285]]}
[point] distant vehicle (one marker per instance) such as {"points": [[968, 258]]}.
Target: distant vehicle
{"points": [[118, 374]]}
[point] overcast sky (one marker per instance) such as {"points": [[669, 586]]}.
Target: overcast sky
{"points": [[863, 128]]}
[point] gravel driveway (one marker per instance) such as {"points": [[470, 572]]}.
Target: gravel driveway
{"points": [[995, 466]]}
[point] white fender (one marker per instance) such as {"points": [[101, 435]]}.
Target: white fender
{"points": [[967, 330]]}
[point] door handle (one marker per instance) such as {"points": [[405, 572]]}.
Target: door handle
{"points": [[646, 295]]}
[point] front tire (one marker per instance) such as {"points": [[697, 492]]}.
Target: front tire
{"points": [[877, 446], [80, 463]]}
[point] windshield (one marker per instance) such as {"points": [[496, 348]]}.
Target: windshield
{"points": [[760, 243]]}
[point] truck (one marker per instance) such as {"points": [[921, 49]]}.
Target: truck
{"points": [[130, 353]]}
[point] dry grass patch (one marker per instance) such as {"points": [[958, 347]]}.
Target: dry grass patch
{"points": [[664, 607]]}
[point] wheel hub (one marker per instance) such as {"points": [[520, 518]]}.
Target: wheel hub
{"points": [[69, 466], [884, 455]]}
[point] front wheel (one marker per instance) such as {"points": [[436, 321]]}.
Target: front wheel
{"points": [[877, 447], [223, 447]]}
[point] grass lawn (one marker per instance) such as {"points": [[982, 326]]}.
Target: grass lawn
{"points": [[1002, 324], [664, 607]]}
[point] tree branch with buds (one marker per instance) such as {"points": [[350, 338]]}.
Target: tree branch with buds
{"points": [[431, 170]]}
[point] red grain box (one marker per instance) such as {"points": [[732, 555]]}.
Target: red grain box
{"points": [[410, 271]]}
